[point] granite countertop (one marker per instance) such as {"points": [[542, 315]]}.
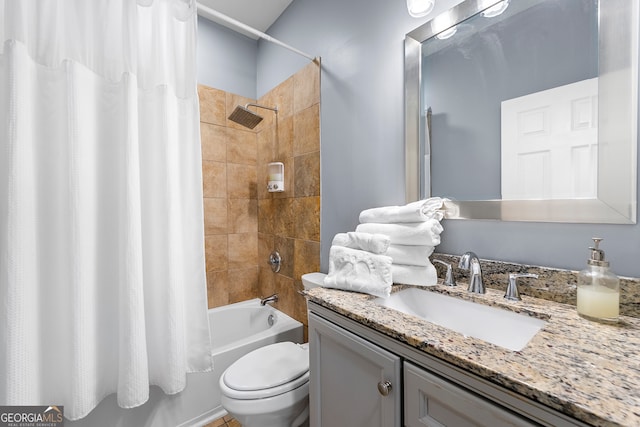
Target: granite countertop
{"points": [[587, 370]]}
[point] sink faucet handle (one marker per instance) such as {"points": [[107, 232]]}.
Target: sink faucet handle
{"points": [[512, 287], [448, 278]]}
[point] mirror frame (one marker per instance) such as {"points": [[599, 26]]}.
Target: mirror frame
{"points": [[617, 125]]}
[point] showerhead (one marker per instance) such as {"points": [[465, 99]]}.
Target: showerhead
{"points": [[247, 118]]}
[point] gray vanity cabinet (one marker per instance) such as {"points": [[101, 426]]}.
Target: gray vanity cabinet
{"points": [[431, 401], [351, 363], [352, 381]]}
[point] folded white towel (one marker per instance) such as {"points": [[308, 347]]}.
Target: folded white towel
{"points": [[414, 233], [421, 210], [360, 271], [374, 243], [410, 254], [414, 275]]}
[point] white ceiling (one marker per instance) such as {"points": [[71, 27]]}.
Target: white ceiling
{"points": [[259, 14]]}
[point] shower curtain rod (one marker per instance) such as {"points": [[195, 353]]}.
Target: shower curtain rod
{"points": [[249, 29]]}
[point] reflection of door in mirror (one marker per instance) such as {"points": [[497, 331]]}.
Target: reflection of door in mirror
{"points": [[549, 143]]}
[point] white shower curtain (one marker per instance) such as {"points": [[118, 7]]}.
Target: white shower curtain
{"points": [[102, 277]]}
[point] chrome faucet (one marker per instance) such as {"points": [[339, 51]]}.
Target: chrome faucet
{"points": [[469, 261], [512, 293], [271, 298]]}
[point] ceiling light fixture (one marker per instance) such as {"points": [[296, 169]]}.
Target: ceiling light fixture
{"points": [[496, 9], [420, 8]]}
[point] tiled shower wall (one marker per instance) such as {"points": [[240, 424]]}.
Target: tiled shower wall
{"points": [[243, 221]]}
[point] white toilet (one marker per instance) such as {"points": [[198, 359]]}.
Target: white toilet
{"points": [[312, 280], [269, 387]]}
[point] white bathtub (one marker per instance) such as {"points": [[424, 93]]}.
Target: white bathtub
{"points": [[236, 329]]}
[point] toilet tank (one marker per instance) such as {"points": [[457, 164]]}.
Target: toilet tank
{"points": [[312, 280]]}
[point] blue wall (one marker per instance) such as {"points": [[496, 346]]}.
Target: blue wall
{"points": [[362, 134], [361, 43], [226, 59]]}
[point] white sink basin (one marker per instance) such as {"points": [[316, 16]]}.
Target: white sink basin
{"points": [[500, 327]]}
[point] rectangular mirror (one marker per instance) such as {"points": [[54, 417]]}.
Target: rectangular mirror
{"points": [[525, 110]]}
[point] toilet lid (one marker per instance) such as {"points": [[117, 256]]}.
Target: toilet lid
{"points": [[268, 367]]}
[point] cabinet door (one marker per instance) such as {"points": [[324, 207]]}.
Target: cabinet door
{"points": [[434, 402], [345, 374]]}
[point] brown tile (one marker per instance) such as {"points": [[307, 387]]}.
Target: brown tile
{"points": [[215, 216], [243, 284], [306, 130], [282, 97], [262, 177], [214, 179], [267, 145], [306, 258], [306, 87], [234, 166], [243, 215], [307, 214], [285, 247], [284, 138], [307, 175], [217, 423], [299, 303], [217, 288], [234, 423], [266, 154], [266, 245], [241, 181], [266, 281], [243, 250], [284, 287], [214, 142], [216, 252], [284, 217], [269, 118], [212, 105], [242, 147], [266, 216]]}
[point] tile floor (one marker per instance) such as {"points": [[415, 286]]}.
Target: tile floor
{"points": [[226, 421]]}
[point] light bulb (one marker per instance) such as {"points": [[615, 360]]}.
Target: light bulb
{"points": [[420, 8], [447, 33], [496, 9]]}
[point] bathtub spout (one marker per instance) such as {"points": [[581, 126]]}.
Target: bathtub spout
{"points": [[272, 298]]}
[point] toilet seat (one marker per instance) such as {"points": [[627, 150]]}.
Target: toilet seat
{"points": [[266, 372]]}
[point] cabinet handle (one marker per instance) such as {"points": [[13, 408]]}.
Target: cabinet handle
{"points": [[384, 387]]}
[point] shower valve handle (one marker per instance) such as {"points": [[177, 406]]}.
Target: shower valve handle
{"points": [[275, 260]]}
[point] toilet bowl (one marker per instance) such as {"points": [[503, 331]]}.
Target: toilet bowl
{"points": [[269, 387]]}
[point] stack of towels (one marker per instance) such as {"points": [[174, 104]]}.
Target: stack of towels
{"points": [[392, 244], [357, 263]]}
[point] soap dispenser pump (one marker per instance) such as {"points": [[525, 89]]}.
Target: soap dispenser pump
{"points": [[598, 288]]}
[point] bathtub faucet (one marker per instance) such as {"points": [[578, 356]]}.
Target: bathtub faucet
{"points": [[272, 298]]}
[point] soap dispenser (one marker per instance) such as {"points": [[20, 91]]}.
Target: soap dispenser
{"points": [[598, 289]]}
